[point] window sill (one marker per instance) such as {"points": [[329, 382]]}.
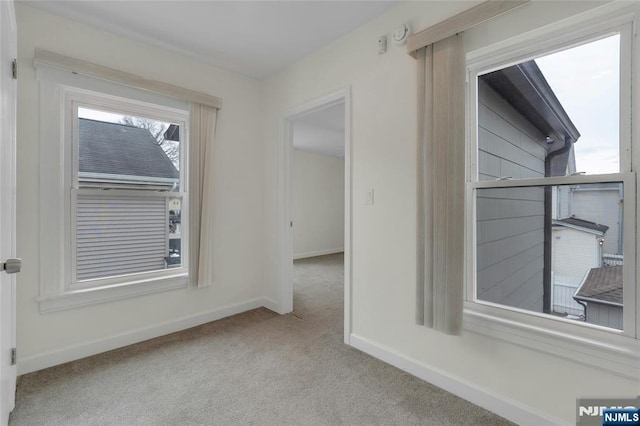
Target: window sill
{"points": [[600, 349], [85, 297]]}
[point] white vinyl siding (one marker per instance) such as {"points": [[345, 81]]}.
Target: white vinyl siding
{"points": [[562, 301], [119, 235], [574, 252], [561, 207]]}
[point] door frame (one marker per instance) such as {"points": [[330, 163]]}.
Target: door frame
{"points": [[8, 165], [285, 198]]}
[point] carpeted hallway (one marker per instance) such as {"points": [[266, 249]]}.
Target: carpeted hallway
{"points": [[255, 368]]}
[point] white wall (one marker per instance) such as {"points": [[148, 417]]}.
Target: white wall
{"points": [[238, 246], [318, 204], [383, 116], [383, 94]]}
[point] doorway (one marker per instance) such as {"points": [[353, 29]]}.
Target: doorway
{"points": [[316, 194]]}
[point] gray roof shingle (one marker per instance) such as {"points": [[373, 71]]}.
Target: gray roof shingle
{"points": [[582, 224], [604, 284], [172, 133], [119, 149]]}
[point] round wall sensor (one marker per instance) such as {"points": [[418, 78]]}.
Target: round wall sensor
{"points": [[400, 35]]}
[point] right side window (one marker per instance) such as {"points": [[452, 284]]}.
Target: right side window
{"points": [[550, 183]]}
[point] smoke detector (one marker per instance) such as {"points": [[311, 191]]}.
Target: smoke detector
{"points": [[400, 35]]}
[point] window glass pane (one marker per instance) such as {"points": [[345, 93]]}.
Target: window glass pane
{"points": [[553, 249], [174, 258], [120, 150], [120, 235], [135, 227], [555, 115]]}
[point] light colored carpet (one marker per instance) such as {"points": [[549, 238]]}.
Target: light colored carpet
{"points": [[256, 368]]}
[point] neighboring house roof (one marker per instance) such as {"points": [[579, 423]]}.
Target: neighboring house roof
{"points": [[122, 150], [527, 90], [525, 87], [581, 224], [602, 285], [172, 133]]}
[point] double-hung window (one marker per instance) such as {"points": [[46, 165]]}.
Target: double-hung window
{"points": [[551, 238], [114, 219], [127, 191]]}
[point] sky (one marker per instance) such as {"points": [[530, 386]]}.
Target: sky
{"points": [[108, 117], [99, 115], [586, 80]]}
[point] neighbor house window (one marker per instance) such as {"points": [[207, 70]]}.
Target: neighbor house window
{"points": [[126, 192], [550, 185]]}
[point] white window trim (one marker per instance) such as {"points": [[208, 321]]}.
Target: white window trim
{"points": [[75, 100], [58, 91], [80, 298], [598, 347]]}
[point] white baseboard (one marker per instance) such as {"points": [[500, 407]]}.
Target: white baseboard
{"points": [[271, 305], [317, 253], [93, 347], [505, 407]]}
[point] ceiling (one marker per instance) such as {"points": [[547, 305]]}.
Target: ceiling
{"points": [[321, 131], [254, 38]]}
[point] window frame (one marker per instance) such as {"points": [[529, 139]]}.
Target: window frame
{"points": [[75, 100], [59, 91], [605, 348]]}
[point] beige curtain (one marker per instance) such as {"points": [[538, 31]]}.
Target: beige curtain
{"points": [[439, 51], [441, 151], [200, 192]]}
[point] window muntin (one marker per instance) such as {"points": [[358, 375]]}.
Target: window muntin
{"points": [[126, 192], [509, 155]]}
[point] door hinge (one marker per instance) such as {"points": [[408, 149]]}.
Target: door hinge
{"points": [[13, 356], [14, 69]]}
